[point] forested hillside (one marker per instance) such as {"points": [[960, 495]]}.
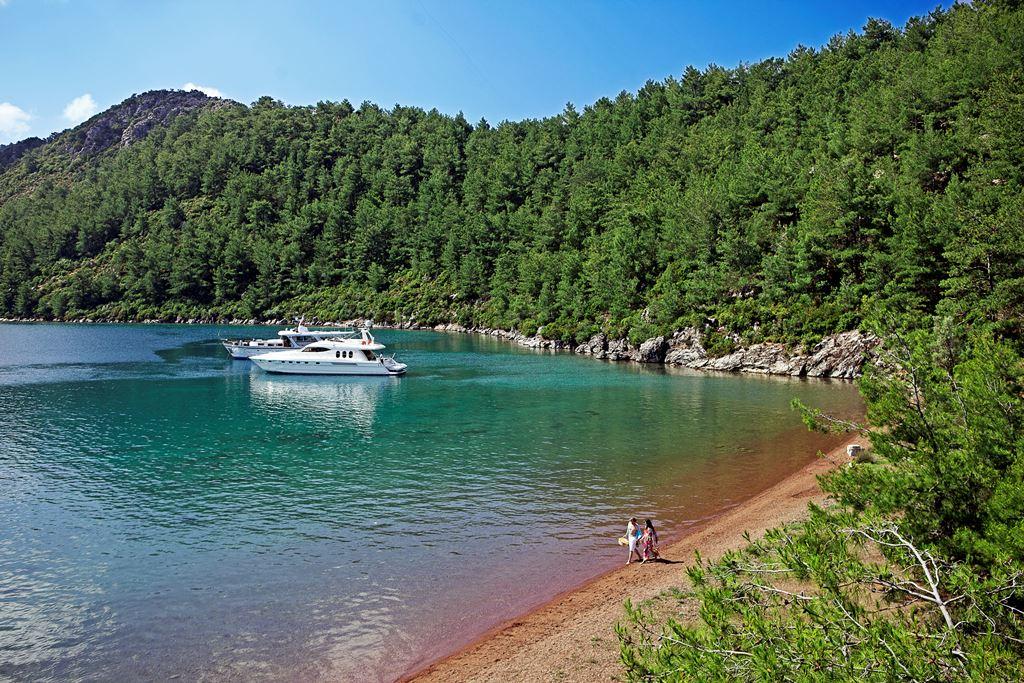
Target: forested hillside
{"points": [[781, 200]]}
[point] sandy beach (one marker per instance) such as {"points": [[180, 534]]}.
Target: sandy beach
{"points": [[572, 637]]}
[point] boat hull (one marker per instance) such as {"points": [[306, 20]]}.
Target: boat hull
{"points": [[298, 367]]}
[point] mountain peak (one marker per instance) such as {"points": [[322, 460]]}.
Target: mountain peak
{"points": [[119, 126], [132, 119]]}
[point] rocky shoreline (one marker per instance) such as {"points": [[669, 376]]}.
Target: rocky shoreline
{"points": [[837, 356]]}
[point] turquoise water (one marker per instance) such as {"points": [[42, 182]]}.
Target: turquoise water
{"points": [[170, 512]]}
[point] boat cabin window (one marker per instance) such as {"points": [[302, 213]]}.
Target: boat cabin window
{"points": [[369, 355], [315, 349]]}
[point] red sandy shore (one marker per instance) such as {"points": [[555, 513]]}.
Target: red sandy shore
{"points": [[572, 638]]}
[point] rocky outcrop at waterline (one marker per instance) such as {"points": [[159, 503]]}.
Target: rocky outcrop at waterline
{"points": [[840, 356]]}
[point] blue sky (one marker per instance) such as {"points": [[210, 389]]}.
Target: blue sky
{"points": [[62, 60]]}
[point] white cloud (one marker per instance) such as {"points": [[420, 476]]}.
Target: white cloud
{"points": [[80, 108], [13, 122], [205, 89]]}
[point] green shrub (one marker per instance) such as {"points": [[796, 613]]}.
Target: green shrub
{"points": [[916, 574]]}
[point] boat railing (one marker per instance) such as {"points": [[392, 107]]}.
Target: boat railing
{"points": [[346, 333]]}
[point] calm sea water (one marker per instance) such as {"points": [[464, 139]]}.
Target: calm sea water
{"points": [[167, 512]]}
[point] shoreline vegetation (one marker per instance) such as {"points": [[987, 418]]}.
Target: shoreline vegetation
{"points": [[913, 571]]}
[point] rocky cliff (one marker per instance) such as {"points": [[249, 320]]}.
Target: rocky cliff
{"points": [[839, 355], [119, 126], [131, 120], [10, 154]]}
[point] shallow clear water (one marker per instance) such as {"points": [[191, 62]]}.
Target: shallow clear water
{"points": [[169, 512]]}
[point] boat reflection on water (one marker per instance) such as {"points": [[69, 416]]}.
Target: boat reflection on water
{"points": [[336, 401]]}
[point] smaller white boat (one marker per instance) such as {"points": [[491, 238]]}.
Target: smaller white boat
{"points": [[292, 338], [334, 356]]}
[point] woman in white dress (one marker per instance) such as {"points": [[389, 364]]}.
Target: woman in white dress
{"points": [[632, 534]]}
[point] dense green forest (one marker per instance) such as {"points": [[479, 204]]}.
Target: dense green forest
{"points": [[782, 200]]}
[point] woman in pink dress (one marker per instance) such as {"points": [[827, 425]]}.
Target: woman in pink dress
{"points": [[649, 543]]}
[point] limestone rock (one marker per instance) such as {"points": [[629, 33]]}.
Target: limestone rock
{"points": [[841, 355], [131, 120], [597, 344], [653, 350], [618, 349], [685, 348]]}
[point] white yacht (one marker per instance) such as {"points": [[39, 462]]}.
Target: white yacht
{"points": [[292, 338], [334, 356]]}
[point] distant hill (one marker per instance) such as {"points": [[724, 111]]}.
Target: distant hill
{"points": [[130, 121], [117, 127], [782, 200]]}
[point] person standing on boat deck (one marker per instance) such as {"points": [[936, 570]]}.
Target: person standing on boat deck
{"points": [[632, 534], [649, 543]]}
